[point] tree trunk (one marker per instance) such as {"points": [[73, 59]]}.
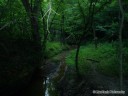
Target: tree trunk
{"points": [[45, 37], [120, 43], [35, 29], [62, 37], [76, 59], [32, 12], [95, 38], [87, 27], [32, 9]]}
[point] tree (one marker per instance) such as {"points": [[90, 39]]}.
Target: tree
{"points": [[120, 43], [87, 26], [62, 23], [32, 9], [88, 19]]}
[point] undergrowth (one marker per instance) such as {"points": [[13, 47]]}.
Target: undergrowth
{"points": [[105, 54], [53, 48]]}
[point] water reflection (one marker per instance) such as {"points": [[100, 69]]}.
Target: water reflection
{"points": [[50, 89]]}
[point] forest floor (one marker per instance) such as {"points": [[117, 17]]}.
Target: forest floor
{"points": [[67, 85]]}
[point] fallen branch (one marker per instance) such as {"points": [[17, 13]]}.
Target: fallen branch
{"points": [[93, 60]]}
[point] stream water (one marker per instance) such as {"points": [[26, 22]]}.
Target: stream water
{"points": [[50, 89], [42, 87], [39, 87]]}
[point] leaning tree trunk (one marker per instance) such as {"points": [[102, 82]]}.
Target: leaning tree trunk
{"points": [[87, 27], [120, 43]]}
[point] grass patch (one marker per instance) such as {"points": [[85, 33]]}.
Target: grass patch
{"points": [[107, 56], [53, 48]]}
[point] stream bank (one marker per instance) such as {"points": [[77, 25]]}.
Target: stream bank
{"points": [[46, 85], [60, 80]]}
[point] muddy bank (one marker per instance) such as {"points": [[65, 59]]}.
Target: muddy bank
{"points": [[54, 70], [45, 80], [55, 78], [71, 86]]}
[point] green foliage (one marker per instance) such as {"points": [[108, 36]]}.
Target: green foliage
{"points": [[74, 23], [14, 20], [106, 54], [53, 48], [18, 51]]}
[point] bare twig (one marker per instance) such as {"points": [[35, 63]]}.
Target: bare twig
{"points": [[7, 24]]}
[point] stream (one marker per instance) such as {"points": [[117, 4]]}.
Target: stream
{"points": [[40, 87], [46, 85], [44, 82], [50, 89]]}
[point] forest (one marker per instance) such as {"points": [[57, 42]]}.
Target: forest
{"points": [[63, 48]]}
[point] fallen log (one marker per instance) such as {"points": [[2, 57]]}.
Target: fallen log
{"points": [[92, 60]]}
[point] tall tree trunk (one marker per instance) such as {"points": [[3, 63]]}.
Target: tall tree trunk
{"points": [[53, 33], [32, 9], [62, 37], [32, 12], [45, 37], [95, 38], [35, 30], [120, 43], [77, 59]]}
